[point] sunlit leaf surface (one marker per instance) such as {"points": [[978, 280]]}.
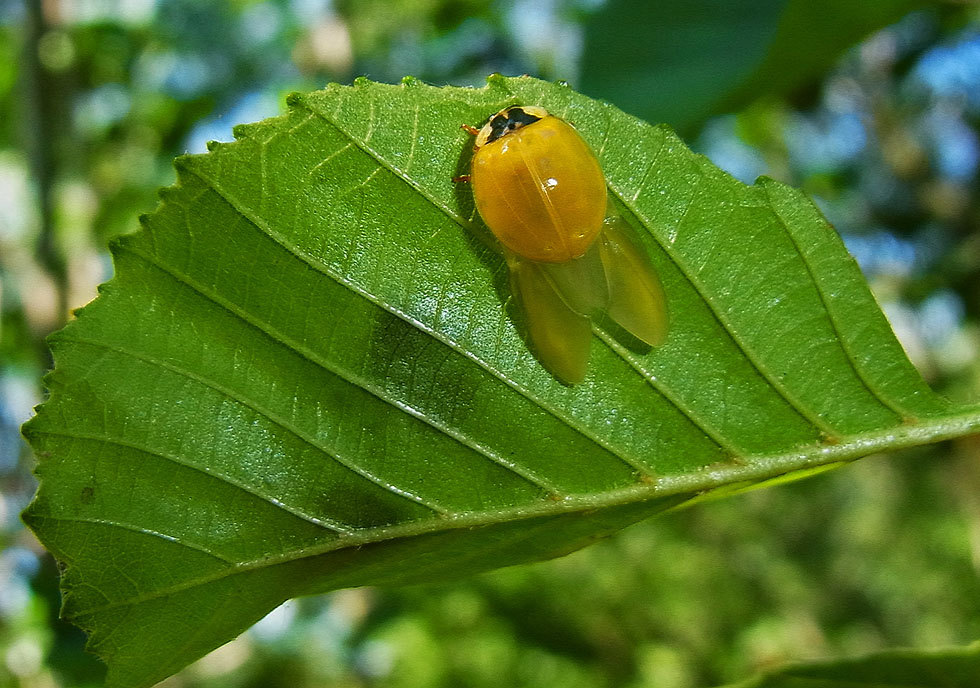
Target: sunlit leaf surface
{"points": [[306, 373]]}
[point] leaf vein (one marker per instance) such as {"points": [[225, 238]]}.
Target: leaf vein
{"points": [[136, 529], [329, 524], [477, 447], [268, 414], [762, 467], [717, 438], [685, 269], [845, 346], [347, 146], [414, 140], [552, 410]]}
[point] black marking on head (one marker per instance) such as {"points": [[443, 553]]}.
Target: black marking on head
{"points": [[509, 120]]}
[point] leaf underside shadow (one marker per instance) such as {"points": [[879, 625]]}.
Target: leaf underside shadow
{"points": [[304, 374]]}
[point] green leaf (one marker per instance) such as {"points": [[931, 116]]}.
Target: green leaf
{"points": [[679, 61], [957, 667], [306, 373]]}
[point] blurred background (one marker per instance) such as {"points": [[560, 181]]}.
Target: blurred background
{"points": [[872, 108]]}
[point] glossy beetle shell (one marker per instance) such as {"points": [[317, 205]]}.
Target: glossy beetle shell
{"points": [[539, 188]]}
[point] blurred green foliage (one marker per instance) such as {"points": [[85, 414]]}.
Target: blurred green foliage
{"points": [[97, 97], [708, 57]]}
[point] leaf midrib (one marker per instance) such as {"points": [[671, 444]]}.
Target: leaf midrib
{"points": [[761, 467]]}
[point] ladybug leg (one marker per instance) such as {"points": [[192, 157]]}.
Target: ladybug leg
{"points": [[472, 131]]}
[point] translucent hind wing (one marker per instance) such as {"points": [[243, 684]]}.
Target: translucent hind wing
{"points": [[559, 335], [580, 282], [636, 296]]}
